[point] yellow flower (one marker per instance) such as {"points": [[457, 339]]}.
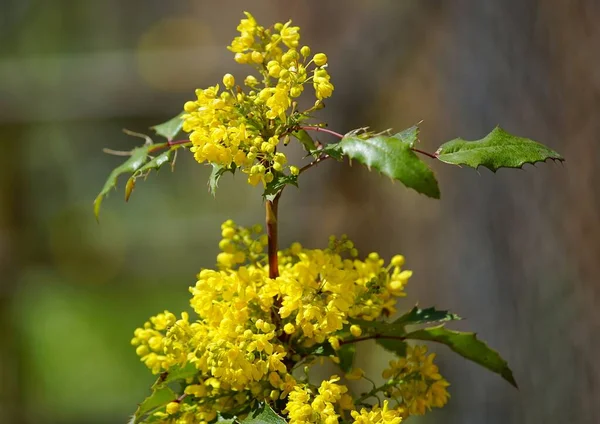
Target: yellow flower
{"points": [[377, 415]]}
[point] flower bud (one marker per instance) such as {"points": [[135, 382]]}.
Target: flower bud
{"points": [[228, 81], [355, 330], [250, 81], [398, 260], [241, 58], [172, 408], [320, 59], [305, 51], [190, 106], [257, 57]]}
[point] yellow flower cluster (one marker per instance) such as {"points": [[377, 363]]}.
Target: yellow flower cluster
{"points": [[416, 379], [244, 345], [304, 406], [377, 415], [243, 128]]}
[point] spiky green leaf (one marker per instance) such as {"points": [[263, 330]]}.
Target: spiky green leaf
{"points": [[158, 399], [468, 346], [424, 316], [153, 164], [395, 346], [498, 149], [305, 139], [263, 415], [279, 181], [215, 175], [171, 128], [180, 373], [138, 157], [392, 156]]}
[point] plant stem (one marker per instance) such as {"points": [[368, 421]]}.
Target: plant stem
{"points": [[373, 337], [319, 129], [431, 155], [313, 163], [271, 221], [159, 146]]}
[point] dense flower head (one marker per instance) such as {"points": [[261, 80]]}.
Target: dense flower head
{"points": [[417, 381], [244, 126], [251, 331]]}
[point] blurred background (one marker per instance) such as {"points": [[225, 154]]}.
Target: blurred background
{"points": [[516, 253]]}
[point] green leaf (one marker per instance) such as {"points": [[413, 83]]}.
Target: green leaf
{"points": [[468, 346], [263, 415], [215, 176], [346, 354], [332, 149], [424, 316], [155, 163], [409, 136], [398, 347], [496, 150], [392, 156], [279, 182], [306, 140], [156, 400], [170, 128], [138, 157], [180, 373]]}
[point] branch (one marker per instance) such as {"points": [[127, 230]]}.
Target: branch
{"points": [[313, 163], [373, 337], [431, 155], [319, 129], [169, 144]]}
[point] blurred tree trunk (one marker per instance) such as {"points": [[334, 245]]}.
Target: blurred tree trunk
{"points": [[516, 252]]}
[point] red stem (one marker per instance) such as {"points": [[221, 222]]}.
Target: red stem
{"points": [[431, 155], [325, 130], [168, 144]]}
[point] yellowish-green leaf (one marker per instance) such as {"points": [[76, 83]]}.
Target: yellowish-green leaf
{"points": [[158, 399], [263, 415], [138, 157], [498, 149], [171, 128], [468, 346], [155, 163]]}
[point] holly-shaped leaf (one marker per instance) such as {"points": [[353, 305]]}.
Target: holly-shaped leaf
{"points": [[279, 181], [395, 346], [215, 176], [305, 139], [154, 163], [263, 415], [468, 346], [425, 316], [171, 128], [138, 157], [392, 156], [180, 373], [496, 150], [158, 399]]}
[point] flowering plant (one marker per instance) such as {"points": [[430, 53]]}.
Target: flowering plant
{"points": [[266, 315]]}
